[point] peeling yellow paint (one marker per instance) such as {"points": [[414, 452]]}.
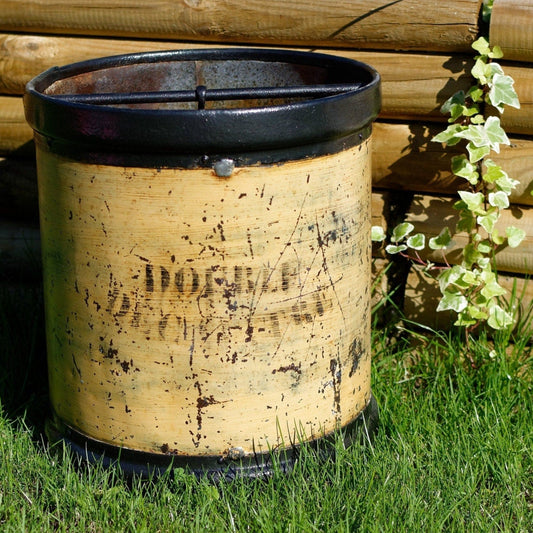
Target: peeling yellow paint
{"points": [[194, 315]]}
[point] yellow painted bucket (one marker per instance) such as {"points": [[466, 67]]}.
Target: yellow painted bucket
{"points": [[205, 221]]}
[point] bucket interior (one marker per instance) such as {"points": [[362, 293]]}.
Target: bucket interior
{"points": [[188, 75]]}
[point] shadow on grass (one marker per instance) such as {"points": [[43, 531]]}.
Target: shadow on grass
{"points": [[23, 379]]}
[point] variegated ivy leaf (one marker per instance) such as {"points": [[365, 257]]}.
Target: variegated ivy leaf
{"points": [[499, 199], [497, 239], [477, 119], [485, 72], [492, 288], [417, 242], [502, 92], [471, 278], [473, 200], [471, 255], [395, 249], [480, 71], [493, 171], [476, 314], [467, 219], [463, 319], [377, 234], [499, 318], [483, 262], [484, 247], [506, 184], [455, 106], [449, 276], [462, 167], [495, 133], [477, 153], [490, 135], [514, 236], [454, 301], [475, 93], [401, 231], [496, 53], [475, 133], [449, 135], [442, 241], [482, 46], [488, 221]]}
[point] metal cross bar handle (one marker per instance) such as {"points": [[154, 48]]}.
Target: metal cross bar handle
{"points": [[201, 94]]}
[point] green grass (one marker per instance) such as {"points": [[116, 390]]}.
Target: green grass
{"points": [[454, 453]]}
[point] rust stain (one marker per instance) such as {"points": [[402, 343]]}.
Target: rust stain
{"points": [[336, 374], [189, 296], [292, 367], [167, 450], [356, 352], [321, 245]]}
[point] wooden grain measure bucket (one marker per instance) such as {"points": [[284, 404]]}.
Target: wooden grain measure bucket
{"points": [[205, 220]]}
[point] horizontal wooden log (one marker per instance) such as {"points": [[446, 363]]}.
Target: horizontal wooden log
{"points": [[413, 85], [422, 296], [405, 158], [430, 214], [18, 189], [15, 133], [511, 28], [20, 250], [393, 24], [519, 120]]}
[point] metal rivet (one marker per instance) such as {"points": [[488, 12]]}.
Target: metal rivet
{"points": [[235, 453], [224, 168]]}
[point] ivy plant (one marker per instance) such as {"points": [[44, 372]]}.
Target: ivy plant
{"points": [[470, 288]]}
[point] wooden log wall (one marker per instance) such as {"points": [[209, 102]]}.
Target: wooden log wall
{"points": [[393, 24], [421, 48]]}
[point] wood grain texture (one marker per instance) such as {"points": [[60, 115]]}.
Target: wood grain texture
{"points": [[430, 214], [519, 120], [511, 28], [18, 189], [414, 85], [393, 24], [405, 158], [15, 132], [422, 296], [431, 77]]}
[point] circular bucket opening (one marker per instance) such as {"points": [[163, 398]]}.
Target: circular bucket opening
{"points": [[202, 103]]}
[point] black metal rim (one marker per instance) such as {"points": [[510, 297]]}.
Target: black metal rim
{"points": [[75, 128], [135, 463]]}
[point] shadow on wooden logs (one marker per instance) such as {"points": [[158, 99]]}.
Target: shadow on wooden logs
{"points": [[18, 189], [422, 297]]}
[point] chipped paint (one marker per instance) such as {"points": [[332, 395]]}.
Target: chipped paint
{"points": [[195, 315]]}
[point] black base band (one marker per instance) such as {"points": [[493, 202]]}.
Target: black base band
{"points": [[143, 464]]}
